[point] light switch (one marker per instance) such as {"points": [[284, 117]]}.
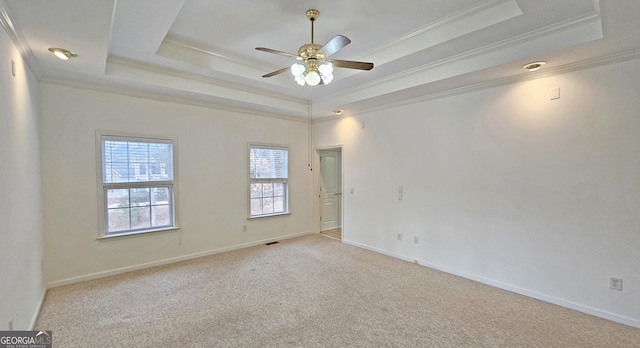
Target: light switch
{"points": [[352, 190], [400, 192], [554, 93]]}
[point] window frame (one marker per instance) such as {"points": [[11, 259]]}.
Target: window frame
{"points": [[103, 207], [251, 180]]}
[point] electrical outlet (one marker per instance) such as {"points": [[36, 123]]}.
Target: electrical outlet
{"points": [[615, 283], [399, 236], [11, 325], [416, 240]]}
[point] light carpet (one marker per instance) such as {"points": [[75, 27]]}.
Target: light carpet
{"points": [[310, 291]]}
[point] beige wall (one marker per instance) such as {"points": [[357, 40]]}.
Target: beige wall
{"points": [[211, 179], [21, 279], [507, 187]]}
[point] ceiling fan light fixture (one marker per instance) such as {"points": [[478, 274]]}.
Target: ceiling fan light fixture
{"points": [[300, 80], [326, 72], [313, 68], [297, 69], [312, 78], [62, 53]]}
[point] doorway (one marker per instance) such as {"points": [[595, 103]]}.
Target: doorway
{"points": [[330, 192]]}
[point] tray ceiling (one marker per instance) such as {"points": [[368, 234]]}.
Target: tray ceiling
{"points": [[202, 51]]}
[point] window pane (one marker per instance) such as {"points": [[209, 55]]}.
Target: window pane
{"points": [[140, 217], [118, 198], [278, 205], [140, 197], [131, 161], [268, 163], [160, 216], [116, 172], [160, 195], [278, 189], [267, 205], [161, 160], [256, 190], [138, 158], [267, 190], [118, 220], [256, 206]]}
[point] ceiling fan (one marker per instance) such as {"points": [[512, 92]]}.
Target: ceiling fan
{"points": [[315, 68]]}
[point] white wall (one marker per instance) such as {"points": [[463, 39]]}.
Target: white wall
{"points": [[21, 280], [212, 179], [508, 187]]}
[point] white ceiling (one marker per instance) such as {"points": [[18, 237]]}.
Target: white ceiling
{"points": [[202, 51]]}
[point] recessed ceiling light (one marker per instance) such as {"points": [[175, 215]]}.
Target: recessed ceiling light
{"points": [[533, 66], [338, 112], [62, 53]]}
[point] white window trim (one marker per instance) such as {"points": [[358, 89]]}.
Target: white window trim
{"points": [[101, 186], [265, 146]]}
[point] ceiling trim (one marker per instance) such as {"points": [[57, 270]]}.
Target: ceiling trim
{"points": [[163, 69], [460, 23], [277, 99], [587, 24], [525, 76], [188, 99], [192, 53], [173, 40], [18, 39]]}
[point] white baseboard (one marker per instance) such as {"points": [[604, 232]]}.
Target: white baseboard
{"points": [[542, 297], [378, 250], [34, 318], [111, 272]]}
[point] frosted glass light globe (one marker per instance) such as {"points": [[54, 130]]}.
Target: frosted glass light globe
{"points": [[326, 69], [312, 78], [297, 69]]}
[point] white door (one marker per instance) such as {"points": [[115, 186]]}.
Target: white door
{"points": [[330, 189]]}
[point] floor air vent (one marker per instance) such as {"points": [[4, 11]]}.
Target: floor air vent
{"points": [[271, 243]]}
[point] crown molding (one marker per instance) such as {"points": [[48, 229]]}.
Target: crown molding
{"points": [[194, 46], [18, 39], [188, 99], [587, 19], [525, 76], [447, 28], [168, 71]]}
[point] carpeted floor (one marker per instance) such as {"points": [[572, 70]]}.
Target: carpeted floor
{"points": [[336, 233], [310, 291]]}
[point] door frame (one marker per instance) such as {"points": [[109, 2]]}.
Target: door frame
{"points": [[317, 198]]}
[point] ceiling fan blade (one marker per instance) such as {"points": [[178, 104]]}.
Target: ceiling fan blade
{"points": [[269, 50], [334, 45], [349, 64], [277, 72]]}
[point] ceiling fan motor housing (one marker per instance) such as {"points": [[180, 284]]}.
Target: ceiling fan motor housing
{"points": [[310, 51]]}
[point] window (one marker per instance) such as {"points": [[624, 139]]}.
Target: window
{"points": [[268, 173], [137, 184]]}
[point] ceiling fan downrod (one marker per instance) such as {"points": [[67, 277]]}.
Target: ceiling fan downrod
{"points": [[312, 15]]}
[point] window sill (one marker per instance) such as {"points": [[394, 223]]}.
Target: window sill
{"points": [[137, 233], [267, 215]]}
